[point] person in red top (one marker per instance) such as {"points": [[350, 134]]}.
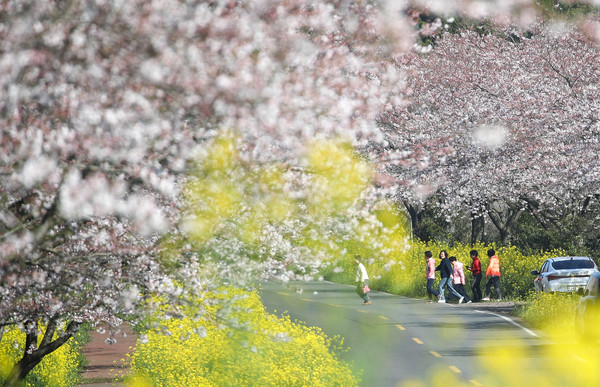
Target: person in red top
{"points": [[476, 271], [493, 272]]}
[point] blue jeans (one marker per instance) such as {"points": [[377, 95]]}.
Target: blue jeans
{"points": [[430, 290], [447, 282], [460, 288]]}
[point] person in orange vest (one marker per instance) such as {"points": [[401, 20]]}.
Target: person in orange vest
{"points": [[493, 272]]}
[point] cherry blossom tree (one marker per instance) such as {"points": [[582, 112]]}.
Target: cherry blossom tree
{"points": [[499, 123]]}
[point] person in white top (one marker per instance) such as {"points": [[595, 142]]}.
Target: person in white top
{"points": [[362, 280]]}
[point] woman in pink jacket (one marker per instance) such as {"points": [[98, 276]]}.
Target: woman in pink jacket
{"points": [[430, 271], [459, 279]]}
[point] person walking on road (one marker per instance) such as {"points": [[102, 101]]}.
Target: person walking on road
{"points": [[446, 271], [362, 280], [459, 279], [430, 271], [493, 272], [476, 271]]}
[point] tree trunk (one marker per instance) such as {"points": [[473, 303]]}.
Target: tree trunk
{"points": [[32, 356], [477, 228], [416, 217], [505, 220]]}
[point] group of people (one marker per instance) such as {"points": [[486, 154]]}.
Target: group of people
{"points": [[453, 277]]}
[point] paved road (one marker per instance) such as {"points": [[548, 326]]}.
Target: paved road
{"points": [[397, 339]]}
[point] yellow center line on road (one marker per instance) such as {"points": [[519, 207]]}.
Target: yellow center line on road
{"points": [[455, 369], [475, 382], [335, 305], [400, 327], [416, 340], [308, 299], [434, 353], [283, 294], [363, 311], [383, 318]]}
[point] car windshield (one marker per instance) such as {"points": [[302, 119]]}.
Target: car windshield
{"points": [[573, 264]]}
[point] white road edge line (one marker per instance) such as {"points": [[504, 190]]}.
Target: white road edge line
{"points": [[529, 331]]}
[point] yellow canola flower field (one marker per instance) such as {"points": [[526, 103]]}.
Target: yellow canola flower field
{"points": [[229, 339]]}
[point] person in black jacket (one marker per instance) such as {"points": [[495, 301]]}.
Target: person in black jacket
{"points": [[445, 269]]}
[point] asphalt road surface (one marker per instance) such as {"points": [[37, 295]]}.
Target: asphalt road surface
{"points": [[397, 339]]}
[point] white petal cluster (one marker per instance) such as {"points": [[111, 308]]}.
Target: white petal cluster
{"points": [[494, 120]]}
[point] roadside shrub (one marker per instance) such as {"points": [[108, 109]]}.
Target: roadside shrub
{"points": [[228, 339], [551, 310], [58, 369]]}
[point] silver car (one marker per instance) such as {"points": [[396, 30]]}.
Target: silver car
{"points": [[563, 274]]}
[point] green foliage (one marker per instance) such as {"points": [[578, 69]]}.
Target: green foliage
{"points": [[58, 369], [235, 343], [574, 235], [433, 227], [566, 9]]}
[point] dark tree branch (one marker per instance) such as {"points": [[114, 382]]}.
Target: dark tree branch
{"points": [[33, 356]]}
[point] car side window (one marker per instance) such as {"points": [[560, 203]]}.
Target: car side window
{"points": [[545, 267]]}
